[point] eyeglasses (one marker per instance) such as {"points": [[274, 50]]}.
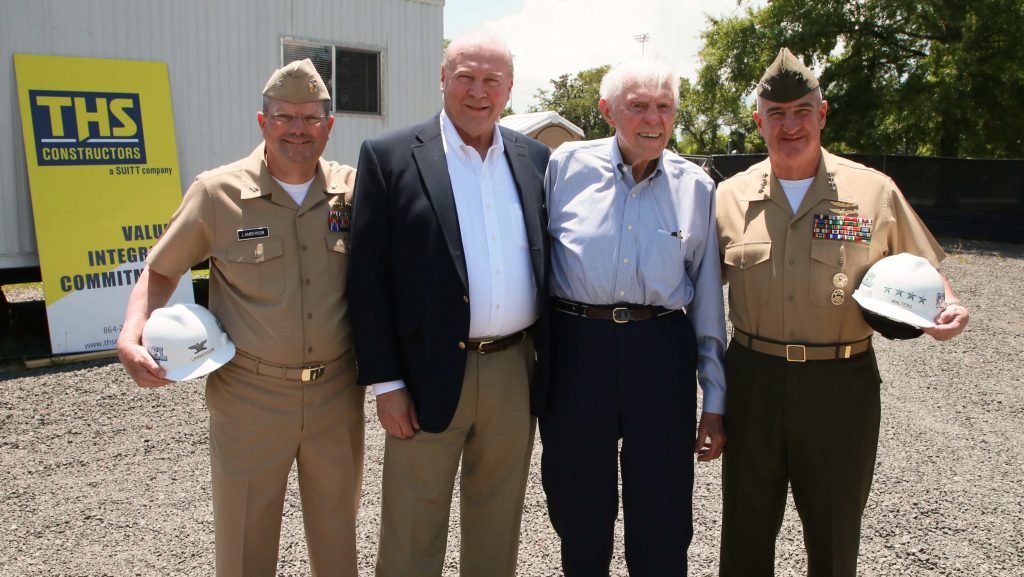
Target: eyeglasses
{"points": [[283, 119]]}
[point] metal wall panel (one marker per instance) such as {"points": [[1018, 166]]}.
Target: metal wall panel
{"points": [[219, 54]]}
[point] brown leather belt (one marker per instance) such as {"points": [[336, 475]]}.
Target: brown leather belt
{"points": [[620, 314], [307, 372], [802, 353], [487, 346]]}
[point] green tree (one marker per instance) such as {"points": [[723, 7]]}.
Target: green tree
{"points": [[575, 98], [932, 77], [711, 118]]}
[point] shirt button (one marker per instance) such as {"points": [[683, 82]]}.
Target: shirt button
{"points": [[632, 195], [842, 261], [629, 227], [309, 315], [308, 282], [792, 334], [793, 226], [790, 298], [304, 247], [462, 345], [622, 293], [310, 349], [497, 306], [465, 299], [792, 261], [625, 260]]}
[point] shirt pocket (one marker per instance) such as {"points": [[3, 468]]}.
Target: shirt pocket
{"points": [[337, 257], [835, 263], [748, 268], [517, 225], [663, 266], [256, 268]]}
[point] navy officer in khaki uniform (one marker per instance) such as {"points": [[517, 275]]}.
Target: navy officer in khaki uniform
{"points": [[796, 234], [274, 226]]}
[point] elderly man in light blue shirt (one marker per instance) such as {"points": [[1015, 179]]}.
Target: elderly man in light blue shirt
{"points": [[637, 320]]}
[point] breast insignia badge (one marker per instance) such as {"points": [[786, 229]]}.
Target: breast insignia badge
{"points": [[838, 297]]}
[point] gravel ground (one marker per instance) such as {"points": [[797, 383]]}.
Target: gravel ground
{"points": [[98, 477]]}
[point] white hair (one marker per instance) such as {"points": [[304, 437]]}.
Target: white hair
{"points": [[643, 72]]}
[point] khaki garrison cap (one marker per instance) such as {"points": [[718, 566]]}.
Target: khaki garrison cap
{"points": [[297, 82], [786, 79]]}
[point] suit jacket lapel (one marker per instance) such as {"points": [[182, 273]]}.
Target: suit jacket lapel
{"points": [[433, 167], [527, 177]]}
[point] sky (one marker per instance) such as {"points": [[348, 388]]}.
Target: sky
{"points": [[549, 38]]}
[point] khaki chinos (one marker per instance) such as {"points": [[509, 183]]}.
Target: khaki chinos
{"points": [[259, 426], [493, 432]]}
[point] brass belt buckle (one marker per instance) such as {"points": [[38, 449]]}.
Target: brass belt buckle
{"points": [[480, 347], [796, 353], [615, 315], [312, 373]]}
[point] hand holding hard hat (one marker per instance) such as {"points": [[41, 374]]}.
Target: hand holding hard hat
{"points": [[187, 341], [901, 295]]}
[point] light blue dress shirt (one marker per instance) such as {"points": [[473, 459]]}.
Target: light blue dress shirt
{"points": [[653, 242]]}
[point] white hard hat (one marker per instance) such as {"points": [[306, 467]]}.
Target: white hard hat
{"points": [[903, 288], [187, 341]]}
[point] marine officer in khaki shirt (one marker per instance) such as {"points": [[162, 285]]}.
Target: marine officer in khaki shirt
{"points": [[275, 228], [803, 404]]}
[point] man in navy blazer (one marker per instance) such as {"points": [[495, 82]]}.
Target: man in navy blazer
{"points": [[447, 295]]}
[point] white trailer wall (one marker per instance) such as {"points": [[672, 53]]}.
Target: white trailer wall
{"points": [[219, 54]]}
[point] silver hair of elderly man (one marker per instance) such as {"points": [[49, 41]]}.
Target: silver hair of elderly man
{"points": [[646, 72]]}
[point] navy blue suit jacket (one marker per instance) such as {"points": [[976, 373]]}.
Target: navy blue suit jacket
{"points": [[407, 285]]}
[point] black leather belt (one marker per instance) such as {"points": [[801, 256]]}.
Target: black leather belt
{"points": [[307, 372], [487, 346], [618, 313], [802, 353]]}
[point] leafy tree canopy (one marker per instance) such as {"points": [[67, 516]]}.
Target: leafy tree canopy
{"points": [[927, 77], [575, 98]]}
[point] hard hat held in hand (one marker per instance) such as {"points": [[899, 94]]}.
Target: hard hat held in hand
{"points": [[900, 295], [187, 341]]}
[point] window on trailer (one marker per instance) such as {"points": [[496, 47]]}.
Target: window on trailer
{"points": [[352, 76]]}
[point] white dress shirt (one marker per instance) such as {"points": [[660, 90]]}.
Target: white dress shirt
{"points": [[502, 292]]}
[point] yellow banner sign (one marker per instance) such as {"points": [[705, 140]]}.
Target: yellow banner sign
{"points": [[103, 171]]}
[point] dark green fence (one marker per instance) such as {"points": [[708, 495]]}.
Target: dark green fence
{"points": [[960, 197]]}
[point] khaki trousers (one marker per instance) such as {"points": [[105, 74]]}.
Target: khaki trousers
{"points": [[492, 431], [259, 426]]}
